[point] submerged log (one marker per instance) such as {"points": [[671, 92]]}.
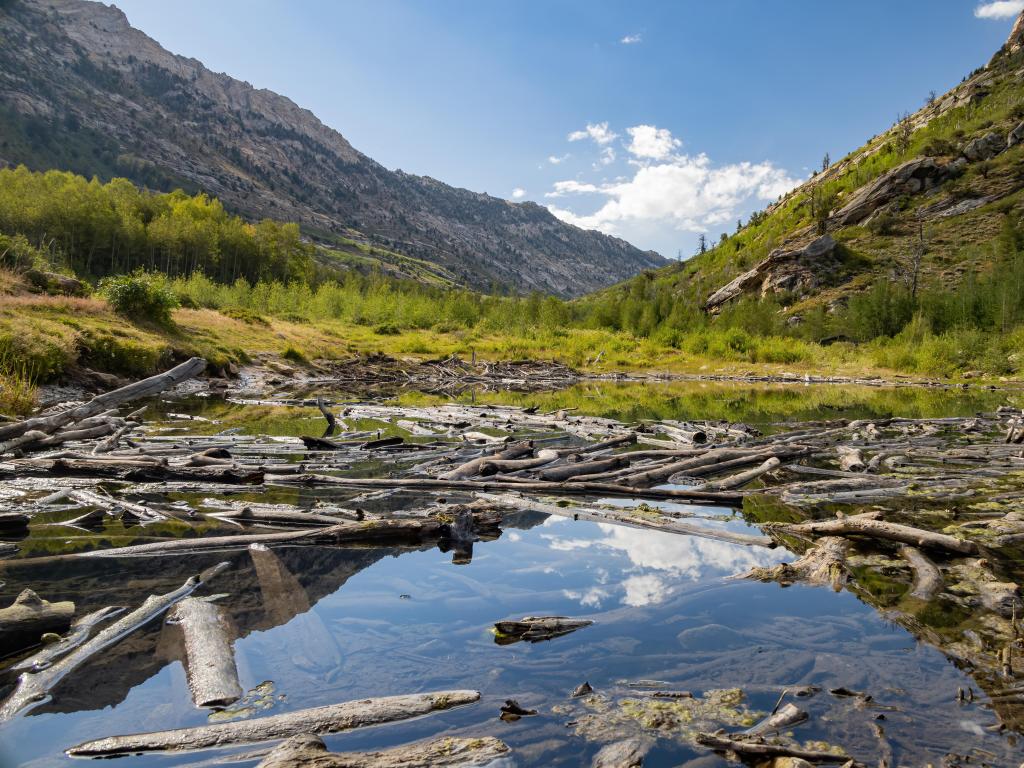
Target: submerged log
{"points": [[46, 425], [783, 717], [25, 620], [209, 657], [309, 751], [80, 631], [755, 747], [623, 754], [34, 687], [867, 524], [824, 563], [927, 577], [333, 718], [535, 629]]}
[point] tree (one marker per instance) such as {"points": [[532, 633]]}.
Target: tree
{"points": [[702, 244], [826, 161], [902, 133]]}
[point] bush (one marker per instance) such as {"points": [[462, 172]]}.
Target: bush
{"points": [[140, 295]]}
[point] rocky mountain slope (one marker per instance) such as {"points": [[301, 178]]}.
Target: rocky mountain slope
{"points": [[921, 204], [82, 90]]}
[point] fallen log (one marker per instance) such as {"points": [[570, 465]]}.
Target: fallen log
{"points": [[756, 747], [741, 478], [472, 467], [80, 631], [494, 466], [209, 657], [776, 721], [144, 388], [927, 577], [850, 459], [664, 472], [824, 563], [623, 754], [13, 521], [333, 718], [723, 498], [535, 629], [28, 618], [569, 471], [309, 751], [867, 524], [34, 687]]}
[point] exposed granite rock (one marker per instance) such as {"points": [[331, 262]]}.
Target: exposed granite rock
{"points": [[1015, 137], [1016, 39], [796, 270], [984, 147], [910, 178]]}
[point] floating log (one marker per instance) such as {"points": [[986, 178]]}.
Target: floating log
{"points": [[927, 577], [309, 751], [471, 468], [146, 387], [754, 746], [824, 563], [867, 524], [333, 718], [33, 687], [741, 478], [568, 471], [783, 717], [494, 466], [535, 629], [209, 657], [28, 618], [80, 631], [623, 754], [723, 498]]}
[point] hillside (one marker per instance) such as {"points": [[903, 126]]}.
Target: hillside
{"points": [[82, 90], [927, 205]]}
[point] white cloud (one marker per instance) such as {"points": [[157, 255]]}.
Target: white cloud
{"points": [[607, 156], [648, 141], [632, 39], [518, 193], [999, 9], [684, 192], [599, 132], [644, 590], [558, 159]]}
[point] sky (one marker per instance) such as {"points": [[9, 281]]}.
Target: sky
{"points": [[652, 121]]}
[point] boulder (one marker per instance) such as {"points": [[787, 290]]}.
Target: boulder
{"points": [[56, 283], [1015, 137], [984, 148], [912, 177], [793, 270]]}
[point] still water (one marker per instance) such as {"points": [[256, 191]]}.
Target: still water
{"points": [[318, 625]]}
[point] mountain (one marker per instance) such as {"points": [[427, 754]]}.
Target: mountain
{"points": [[82, 90], [925, 203]]}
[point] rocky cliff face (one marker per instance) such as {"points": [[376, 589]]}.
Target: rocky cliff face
{"points": [[81, 89]]}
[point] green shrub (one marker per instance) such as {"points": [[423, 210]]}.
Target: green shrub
{"points": [[141, 296]]}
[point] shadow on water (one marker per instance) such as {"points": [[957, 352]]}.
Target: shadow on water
{"points": [[318, 625]]}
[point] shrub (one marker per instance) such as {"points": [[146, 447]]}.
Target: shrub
{"points": [[140, 295], [291, 353]]}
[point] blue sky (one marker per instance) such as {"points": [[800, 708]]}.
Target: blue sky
{"points": [[729, 101]]}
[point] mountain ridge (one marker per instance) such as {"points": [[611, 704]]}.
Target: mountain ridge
{"points": [[78, 74]]}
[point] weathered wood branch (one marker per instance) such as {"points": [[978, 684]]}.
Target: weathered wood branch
{"points": [[868, 525], [755, 747], [927, 577], [333, 718], [25, 620], [309, 751], [209, 657], [741, 478], [80, 631], [824, 563]]}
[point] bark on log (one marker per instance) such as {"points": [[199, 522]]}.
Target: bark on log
{"points": [[309, 751], [34, 687], [145, 388], [209, 657], [824, 563], [741, 478], [927, 577], [25, 620], [568, 471], [724, 498], [333, 718], [850, 459], [758, 748], [868, 525]]}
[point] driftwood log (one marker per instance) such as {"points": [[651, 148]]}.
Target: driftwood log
{"points": [[80, 631], [34, 687], [309, 751], [209, 657], [333, 718], [869, 525], [25, 620], [927, 577], [754, 747], [623, 754], [535, 629], [824, 563]]}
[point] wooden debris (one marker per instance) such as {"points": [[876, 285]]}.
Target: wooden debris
{"points": [[333, 718], [824, 563], [209, 658], [868, 525], [309, 751], [623, 754], [80, 631], [755, 747], [25, 620], [536, 629], [927, 577]]}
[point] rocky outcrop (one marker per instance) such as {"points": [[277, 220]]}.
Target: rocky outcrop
{"points": [[1015, 137], [984, 147], [912, 177], [1016, 39], [97, 96], [797, 270]]}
